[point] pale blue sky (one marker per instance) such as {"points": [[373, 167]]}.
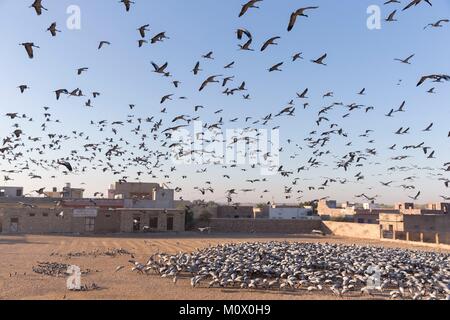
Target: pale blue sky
{"points": [[357, 58]]}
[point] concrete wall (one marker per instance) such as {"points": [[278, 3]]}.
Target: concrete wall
{"points": [[352, 230], [107, 221], [263, 226], [42, 221]]}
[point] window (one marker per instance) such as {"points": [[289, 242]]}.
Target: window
{"points": [[45, 214], [18, 192], [360, 220], [169, 223], [32, 214], [2, 193], [89, 224], [153, 223]]}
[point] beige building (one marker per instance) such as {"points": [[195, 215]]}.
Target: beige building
{"points": [[89, 220], [433, 228], [150, 209], [67, 192]]}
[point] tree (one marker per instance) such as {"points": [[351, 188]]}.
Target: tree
{"points": [[205, 216], [189, 218]]}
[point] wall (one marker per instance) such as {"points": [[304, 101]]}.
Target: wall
{"points": [[127, 217], [106, 221], [427, 223], [230, 212], [352, 230], [52, 223], [263, 226]]}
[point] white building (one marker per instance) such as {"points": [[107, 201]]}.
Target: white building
{"points": [[11, 192], [290, 213], [370, 206]]}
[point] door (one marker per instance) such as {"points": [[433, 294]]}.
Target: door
{"points": [[169, 223], [136, 224], [153, 223], [14, 225], [89, 225]]}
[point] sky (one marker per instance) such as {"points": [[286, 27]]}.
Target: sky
{"points": [[356, 58]]}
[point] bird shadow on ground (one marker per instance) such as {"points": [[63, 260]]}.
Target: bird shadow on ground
{"points": [[15, 240]]}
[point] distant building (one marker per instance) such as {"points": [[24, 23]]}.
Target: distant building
{"points": [[432, 228], [441, 206], [329, 209], [151, 209], [404, 206], [67, 192], [370, 206], [291, 213], [11, 192]]}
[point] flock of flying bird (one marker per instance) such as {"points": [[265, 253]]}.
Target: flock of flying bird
{"points": [[118, 155]]}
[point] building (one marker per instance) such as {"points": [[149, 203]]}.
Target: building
{"points": [[152, 211], [404, 206], [441, 206], [89, 220], [370, 206], [67, 192], [140, 190], [291, 213], [431, 228], [11, 192], [328, 209]]}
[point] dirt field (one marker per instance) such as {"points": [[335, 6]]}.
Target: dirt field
{"points": [[18, 255]]}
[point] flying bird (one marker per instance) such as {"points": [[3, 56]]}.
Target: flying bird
{"points": [[269, 42], [211, 79], [53, 29], [127, 4], [37, 5], [300, 12], [248, 5], [320, 60], [29, 48], [103, 43]]}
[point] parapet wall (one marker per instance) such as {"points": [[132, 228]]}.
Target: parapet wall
{"points": [[352, 230], [264, 226]]}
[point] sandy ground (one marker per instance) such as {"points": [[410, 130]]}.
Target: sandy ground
{"points": [[18, 255]]}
